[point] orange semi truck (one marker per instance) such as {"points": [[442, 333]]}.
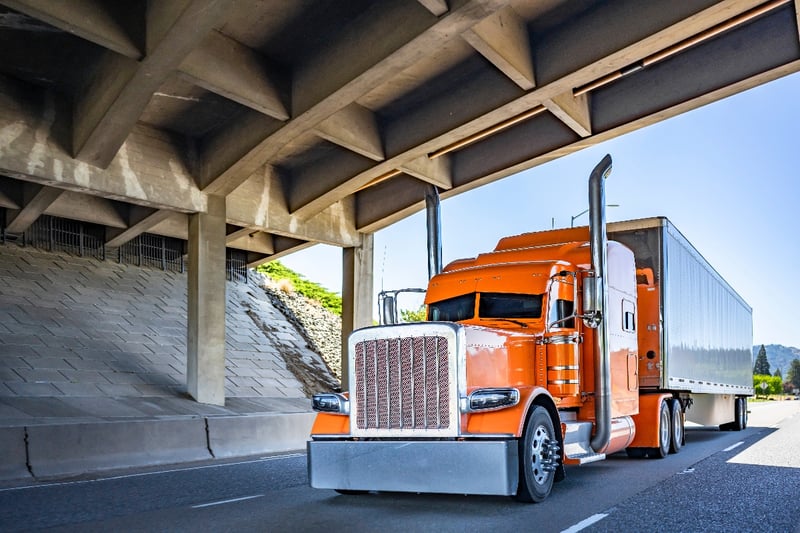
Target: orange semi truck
{"points": [[557, 348]]}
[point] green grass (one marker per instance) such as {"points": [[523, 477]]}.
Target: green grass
{"points": [[329, 300]]}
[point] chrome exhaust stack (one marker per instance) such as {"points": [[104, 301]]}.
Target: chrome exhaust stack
{"points": [[434, 224], [599, 252]]}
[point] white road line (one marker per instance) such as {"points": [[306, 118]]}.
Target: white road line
{"points": [[583, 524], [221, 502], [142, 474], [733, 446]]}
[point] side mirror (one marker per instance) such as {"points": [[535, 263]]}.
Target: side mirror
{"points": [[591, 309], [389, 310]]}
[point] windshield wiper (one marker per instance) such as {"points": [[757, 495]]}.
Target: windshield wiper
{"points": [[518, 322]]}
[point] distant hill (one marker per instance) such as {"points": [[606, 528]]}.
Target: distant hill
{"points": [[779, 356]]}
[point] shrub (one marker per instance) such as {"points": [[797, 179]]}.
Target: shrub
{"points": [[296, 282]]}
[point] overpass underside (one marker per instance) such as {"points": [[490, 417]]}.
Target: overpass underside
{"points": [[265, 127]]}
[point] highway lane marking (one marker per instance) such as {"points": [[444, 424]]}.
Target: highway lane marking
{"points": [[583, 524], [221, 502], [733, 446], [142, 474]]}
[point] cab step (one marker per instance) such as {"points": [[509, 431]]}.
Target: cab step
{"points": [[577, 450]]}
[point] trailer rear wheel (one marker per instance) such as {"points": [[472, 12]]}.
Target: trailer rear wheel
{"points": [[664, 433], [740, 414], [744, 412], [539, 455], [676, 425]]}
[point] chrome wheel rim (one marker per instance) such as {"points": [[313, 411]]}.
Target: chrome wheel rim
{"points": [[665, 425], [540, 456]]}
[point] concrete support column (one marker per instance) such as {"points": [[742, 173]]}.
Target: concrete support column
{"points": [[205, 366], [357, 297]]}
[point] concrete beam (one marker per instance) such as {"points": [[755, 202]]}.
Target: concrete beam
{"points": [[230, 69], [434, 171], [37, 199], [7, 200], [503, 40], [106, 24], [357, 289], [563, 63], [437, 7], [92, 209], [283, 246], [797, 15], [140, 220], [307, 186], [205, 365], [572, 110], [355, 128], [333, 80], [408, 138], [150, 169], [108, 109], [260, 203], [615, 112], [251, 240]]}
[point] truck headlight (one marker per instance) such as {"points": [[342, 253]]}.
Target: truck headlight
{"points": [[330, 403], [491, 399]]}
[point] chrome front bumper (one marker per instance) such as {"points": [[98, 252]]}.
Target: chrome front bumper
{"points": [[454, 467]]}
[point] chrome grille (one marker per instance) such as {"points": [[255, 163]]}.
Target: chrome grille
{"points": [[402, 383]]}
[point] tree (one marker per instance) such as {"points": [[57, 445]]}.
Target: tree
{"points": [[778, 373], [774, 384], [793, 375], [407, 315], [762, 364]]}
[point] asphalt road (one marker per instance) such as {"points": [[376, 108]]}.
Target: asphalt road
{"points": [[720, 481]]}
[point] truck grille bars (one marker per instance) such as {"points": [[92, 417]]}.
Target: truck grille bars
{"points": [[402, 384]]}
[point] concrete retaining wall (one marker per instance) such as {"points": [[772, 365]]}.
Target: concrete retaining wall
{"points": [[13, 456], [68, 450], [74, 449], [238, 436]]}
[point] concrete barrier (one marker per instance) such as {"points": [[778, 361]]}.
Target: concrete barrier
{"points": [[13, 458], [239, 436], [74, 449]]}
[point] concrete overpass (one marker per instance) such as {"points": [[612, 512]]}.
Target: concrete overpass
{"points": [[263, 127]]}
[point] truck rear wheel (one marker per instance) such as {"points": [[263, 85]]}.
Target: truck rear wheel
{"points": [[664, 433], [676, 426], [539, 455]]}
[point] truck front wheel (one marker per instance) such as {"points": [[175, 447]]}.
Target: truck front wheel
{"points": [[539, 456]]}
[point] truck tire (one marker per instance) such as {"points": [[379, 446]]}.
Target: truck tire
{"points": [[744, 412], [664, 433], [676, 426], [740, 414], [539, 456]]}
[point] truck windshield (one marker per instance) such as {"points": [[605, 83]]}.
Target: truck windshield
{"points": [[492, 305], [453, 309], [501, 305]]}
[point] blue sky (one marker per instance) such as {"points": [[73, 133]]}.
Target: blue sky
{"points": [[727, 175]]}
